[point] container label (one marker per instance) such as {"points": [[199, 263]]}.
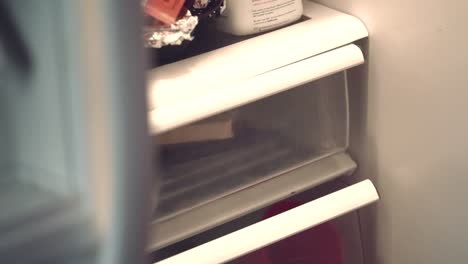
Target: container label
{"points": [[273, 13]]}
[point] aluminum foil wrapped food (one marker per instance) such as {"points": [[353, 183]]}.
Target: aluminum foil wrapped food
{"points": [[206, 8], [157, 34], [200, 3]]}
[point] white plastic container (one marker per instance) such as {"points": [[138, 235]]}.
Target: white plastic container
{"points": [[243, 17]]}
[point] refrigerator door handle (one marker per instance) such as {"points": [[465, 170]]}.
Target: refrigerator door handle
{"points": [[281, 226]]}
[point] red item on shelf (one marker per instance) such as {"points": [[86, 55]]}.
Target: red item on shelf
{"points": [[166, 11], [319, 245]]}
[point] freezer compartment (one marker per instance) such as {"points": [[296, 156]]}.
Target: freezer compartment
{"points": [[270, 138], [330, 239]]}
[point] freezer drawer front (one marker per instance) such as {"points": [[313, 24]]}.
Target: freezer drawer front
{"points": [[278, 227]]}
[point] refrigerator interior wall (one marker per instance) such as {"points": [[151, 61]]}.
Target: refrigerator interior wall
{"points": [[271, 136], [408, 128]]}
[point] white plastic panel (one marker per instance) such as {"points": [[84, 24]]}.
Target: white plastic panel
{"points": [[280, 226], [184, 104]]}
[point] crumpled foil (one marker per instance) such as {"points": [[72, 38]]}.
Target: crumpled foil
{"points": [[201, 3], [160, 35]]}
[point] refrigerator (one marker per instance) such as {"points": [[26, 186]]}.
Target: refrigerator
{"points": [[343, 137]]}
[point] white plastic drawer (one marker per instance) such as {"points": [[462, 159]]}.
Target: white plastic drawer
{"points": [[256, 236], [271, 136]]}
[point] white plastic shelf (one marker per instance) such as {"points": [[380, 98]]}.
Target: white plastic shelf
{"points": [[225, 78]]}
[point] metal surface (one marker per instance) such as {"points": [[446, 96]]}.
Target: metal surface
{"points": [[77, 133], [113, 68]]}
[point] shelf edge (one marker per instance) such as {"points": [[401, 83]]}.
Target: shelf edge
{"points": [[236, 94]]}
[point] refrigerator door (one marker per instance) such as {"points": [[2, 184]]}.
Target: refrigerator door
{"points": [[75, 155]]}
